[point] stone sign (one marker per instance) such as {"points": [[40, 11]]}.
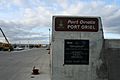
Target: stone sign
{"points": [[77, 48]]}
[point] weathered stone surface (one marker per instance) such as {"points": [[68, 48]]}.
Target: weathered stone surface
{"points": [[95, 70]]}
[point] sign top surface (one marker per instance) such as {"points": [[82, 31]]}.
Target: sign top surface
{"points": [[85, 24]]}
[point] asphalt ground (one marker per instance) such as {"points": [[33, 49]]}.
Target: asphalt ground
{"points": [[18, 65]]}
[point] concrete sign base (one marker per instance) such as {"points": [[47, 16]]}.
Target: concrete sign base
{"points": [[77, 45]]}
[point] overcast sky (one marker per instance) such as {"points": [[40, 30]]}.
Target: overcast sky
{"points": [[28, 21]]}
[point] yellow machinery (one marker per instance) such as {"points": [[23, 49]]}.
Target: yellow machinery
{"points": [[37, 45], [1, 44], [5, 46]]}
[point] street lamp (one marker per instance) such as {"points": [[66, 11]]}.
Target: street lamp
{"points": [[49, 36], [49, 41]]}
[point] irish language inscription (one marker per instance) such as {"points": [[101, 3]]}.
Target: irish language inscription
{"points": [[76, 52]]}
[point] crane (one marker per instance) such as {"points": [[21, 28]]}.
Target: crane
{"points": [[5, 46]]}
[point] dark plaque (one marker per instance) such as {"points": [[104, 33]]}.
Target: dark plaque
{"points": [[84, 24], [76, 52]]}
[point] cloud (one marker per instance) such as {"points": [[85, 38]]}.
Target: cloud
{"points": [[108, 12], [37, 15], [18, 2], [19, 32]]}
